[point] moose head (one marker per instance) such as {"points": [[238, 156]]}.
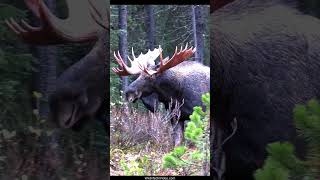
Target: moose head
{"points": [[80, 90], [150, 74]]}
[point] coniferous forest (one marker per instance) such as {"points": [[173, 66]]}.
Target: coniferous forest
{"points": [[66, 111], [140, 140]]}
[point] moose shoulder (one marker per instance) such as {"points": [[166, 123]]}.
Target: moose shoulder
{"points": [[172, 80]]}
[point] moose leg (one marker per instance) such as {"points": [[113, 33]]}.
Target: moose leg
{"points": [[178, 133]]}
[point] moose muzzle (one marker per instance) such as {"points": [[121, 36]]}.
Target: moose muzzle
{"points": [[132, 95]]}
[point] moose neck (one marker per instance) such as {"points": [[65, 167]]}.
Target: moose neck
{"points": [[90, 63], [168, 87], [102, 46]]}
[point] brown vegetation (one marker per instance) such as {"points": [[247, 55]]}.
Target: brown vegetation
{"points": [[141, 138]]}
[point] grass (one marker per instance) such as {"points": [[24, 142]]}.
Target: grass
{"points": [[138, 141]]}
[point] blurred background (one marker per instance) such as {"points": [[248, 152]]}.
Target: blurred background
{"points": [[28, 74], [29, 146]]}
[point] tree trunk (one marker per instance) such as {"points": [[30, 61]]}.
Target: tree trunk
{"points": [[45, 78], [123, 40], [150, 26], [198, 31], [45, 84]]}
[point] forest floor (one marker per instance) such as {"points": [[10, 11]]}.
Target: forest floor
{"points": [[144, 162], [139, 141]]}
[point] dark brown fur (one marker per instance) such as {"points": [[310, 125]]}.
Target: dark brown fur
{"points": [[82, 86], [265, 58], [185, 82]]}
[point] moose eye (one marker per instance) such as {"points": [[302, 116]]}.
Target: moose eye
{"points": [[153, 76]]}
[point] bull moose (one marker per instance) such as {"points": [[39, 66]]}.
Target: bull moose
{"points": [[265, 56], [80, 91], [171, 79]]}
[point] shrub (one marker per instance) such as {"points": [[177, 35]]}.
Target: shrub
{"points": [[193, 160], [281, 163]]}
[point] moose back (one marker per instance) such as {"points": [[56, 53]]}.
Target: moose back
{"points": [[265, 56]]}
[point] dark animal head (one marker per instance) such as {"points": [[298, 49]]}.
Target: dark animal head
{"points": [[143, 86], [80, 91], [150, 74]]}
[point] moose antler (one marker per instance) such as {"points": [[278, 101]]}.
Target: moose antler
{"points": [[78, 27], [101, 17], [137, 64], [141, 63], [177, 58]]}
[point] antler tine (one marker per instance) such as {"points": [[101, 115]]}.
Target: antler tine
{"points": [[78, 27], [14, 26], [122, 63], [117, 58], [124, 70], [134, 57], [161, 60], [194, 50], [28, 33], [176, 59], [98, 15], [10, 26], [27, 26], [186, 47], [130, 59]]}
